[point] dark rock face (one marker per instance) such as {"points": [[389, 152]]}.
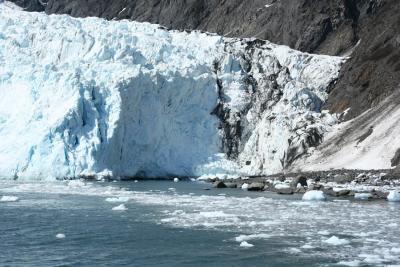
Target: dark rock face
{"points": [[372, 72], [219, 184], [31, 5], [342, 179], [396, 159], [300, 179], [285, 191]]}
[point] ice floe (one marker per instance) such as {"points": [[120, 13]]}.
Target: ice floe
{"points": [[314, 195], [8, 199]]}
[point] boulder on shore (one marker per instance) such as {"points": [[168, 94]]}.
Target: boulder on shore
{"points": [[256, 186], [219, 184], [300, 179], [342, 179], [285, 191]]}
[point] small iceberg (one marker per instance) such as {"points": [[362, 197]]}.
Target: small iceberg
{"points": [[394, 196], [176, 180], [8, 199], [60, 236], [363, 196], [120, 208], [245, 244], [314, 195], [336, 241], [117, 199]]}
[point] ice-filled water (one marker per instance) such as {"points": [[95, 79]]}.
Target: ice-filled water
{"points": [[181, 224]]}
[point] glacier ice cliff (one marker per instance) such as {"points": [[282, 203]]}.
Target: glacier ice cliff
{"points": [[84, 97]]}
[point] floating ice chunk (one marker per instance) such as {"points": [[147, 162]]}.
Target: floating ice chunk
{"points": [[176, 180], [394, 196], [336, 241], [354, 263], [242, 238], [363, 196], [324, 232], [136, 181], [245, 186], [295, 250], [120, 208], [244, 244], [8, 199], [282, 186], [76, 183], [395, 250], [307, 246], [117, 199], [105, 174], [60, 236], [314, 195]]}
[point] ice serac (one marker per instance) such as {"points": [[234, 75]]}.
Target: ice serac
{"points": [[83, 97]]}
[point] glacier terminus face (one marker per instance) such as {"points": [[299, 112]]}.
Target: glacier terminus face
{"points": [[90, 97]]}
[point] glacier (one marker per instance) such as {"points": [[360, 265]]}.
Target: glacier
{"points": [[90, 97]]}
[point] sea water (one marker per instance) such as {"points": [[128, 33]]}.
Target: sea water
{"points": [[161, 223]]}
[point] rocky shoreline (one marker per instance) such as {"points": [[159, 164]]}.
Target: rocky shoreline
{"points": [[357, 184]]}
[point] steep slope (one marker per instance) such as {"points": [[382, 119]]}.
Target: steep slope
{"points": [[367, 142], [87, 97]]}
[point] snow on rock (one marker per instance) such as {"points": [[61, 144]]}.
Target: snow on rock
{"points": [[394, 196], [8, 199], [94, 98], [121, 207], [245, 186], [335, 241], [314, 195]]}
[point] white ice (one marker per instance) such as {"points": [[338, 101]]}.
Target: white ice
{"points": [[394, 196], [60, 236], [314, 195], [8, 199], [121, 207], [335, 241], [246, 244], [90, 97]]}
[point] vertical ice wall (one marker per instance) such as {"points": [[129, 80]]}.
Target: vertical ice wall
{"points": [[80, 97]]}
